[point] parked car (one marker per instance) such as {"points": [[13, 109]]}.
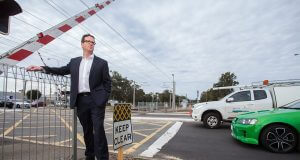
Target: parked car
{"points": [[19, 103], [8, 104], [277, 130], [212, 114], [38, 104], [61, 104]]}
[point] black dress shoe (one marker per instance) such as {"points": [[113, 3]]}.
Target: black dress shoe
{"points": [[89, 158]]}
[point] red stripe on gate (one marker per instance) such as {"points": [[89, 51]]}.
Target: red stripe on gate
{"points": [[45, 40], [20, 55], [65, 28], [79, 19], [92, 12], [99, 6], [107, 2]]}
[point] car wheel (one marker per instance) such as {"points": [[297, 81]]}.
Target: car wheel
{"points": [[212, 120], [18, 106], [279, 138]]}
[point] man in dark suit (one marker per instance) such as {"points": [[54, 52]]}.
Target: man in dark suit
{"points": [[90, 90]]}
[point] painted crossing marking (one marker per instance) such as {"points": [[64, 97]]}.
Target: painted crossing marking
{"points": [[161, 141], [133, 148]]}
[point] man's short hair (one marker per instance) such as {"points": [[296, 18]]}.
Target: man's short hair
{"points": [[86, 35]]}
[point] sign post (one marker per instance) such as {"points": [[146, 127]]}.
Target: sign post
{"points": [[122, 127]]}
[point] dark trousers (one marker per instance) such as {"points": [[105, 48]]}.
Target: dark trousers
{"points": [[91, 118]]}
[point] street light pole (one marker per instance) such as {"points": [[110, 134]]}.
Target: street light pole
{"points": [[173, 98]]}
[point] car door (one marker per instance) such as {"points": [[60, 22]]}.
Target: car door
{"points": [[238, 103], [261, 100]]}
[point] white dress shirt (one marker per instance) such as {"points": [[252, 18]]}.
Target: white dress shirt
{"points": [[84, 74]]}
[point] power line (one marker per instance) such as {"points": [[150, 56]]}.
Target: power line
{"points": [[65, 13], [68, 42], [118, 33]]}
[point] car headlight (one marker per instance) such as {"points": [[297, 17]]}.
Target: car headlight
{"points": [[247, 121]]}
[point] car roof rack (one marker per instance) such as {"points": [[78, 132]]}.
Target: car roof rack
{"points": [[263, 84]]}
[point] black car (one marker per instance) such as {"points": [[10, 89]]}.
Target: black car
{"points": [[8, 103]]}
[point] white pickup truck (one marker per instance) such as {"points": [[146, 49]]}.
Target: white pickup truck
{"points": [[213, 113]]}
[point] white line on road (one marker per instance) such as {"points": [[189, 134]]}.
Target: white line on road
{"points": [[159, 143], [171, 114], [164, 119]]}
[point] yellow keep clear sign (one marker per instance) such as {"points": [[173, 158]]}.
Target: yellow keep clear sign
{"points": [[122, 127]]}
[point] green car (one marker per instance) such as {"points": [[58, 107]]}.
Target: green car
{"points": [[277, 130]]}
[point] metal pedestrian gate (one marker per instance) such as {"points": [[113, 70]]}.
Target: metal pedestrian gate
{"points": [[35, 119]]}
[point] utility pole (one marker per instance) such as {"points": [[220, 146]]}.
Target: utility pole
{"points": [[173, 98], [133, 94], [197, 96], [170, 103]]}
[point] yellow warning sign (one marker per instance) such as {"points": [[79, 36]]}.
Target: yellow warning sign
{"points": [[122, 112]]}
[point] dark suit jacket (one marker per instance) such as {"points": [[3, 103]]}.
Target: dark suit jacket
{"points": [[99, 80]]}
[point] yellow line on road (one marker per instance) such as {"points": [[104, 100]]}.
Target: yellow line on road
{"points": [[7, 131], [43, 127], [151, 123], [133, 148], [79, 137], [108, 123], [141, 134], [34, 141], [37, 136], [108, 128], [62, 142], [145, 129]]}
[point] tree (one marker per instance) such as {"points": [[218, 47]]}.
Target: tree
{"points": [[226, 79], [164, 96], [33, 94], [122, 90]]}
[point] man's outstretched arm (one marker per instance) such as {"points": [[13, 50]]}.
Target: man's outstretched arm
{"points": [[51, 70]]}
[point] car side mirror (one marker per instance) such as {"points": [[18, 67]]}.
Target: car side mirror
{"points": [[229, 99]]}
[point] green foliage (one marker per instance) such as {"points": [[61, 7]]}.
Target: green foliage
{"points": [[226, 79], [122, 90], [33, 94]]}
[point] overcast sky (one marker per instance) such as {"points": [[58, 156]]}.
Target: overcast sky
{"points": [[196, 40]]}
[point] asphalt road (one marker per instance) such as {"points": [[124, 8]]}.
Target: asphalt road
{"points": [[193, 141], [46, 132]]}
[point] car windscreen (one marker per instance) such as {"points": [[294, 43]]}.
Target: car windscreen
{"points": [[294, 105]]}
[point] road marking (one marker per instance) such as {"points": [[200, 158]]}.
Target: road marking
{"points": [[141, 134], [170, 114], [47, 136], [133, 148], [34, 141], [164, 119], [108, 128], [108, 123], [15, 125], [149, 123], [161, 141], [62, 142], [145, 129], [158, 123], [79, 137], [42, 127]]}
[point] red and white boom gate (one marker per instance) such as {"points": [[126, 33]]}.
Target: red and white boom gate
{"points": [[20, 52]]}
